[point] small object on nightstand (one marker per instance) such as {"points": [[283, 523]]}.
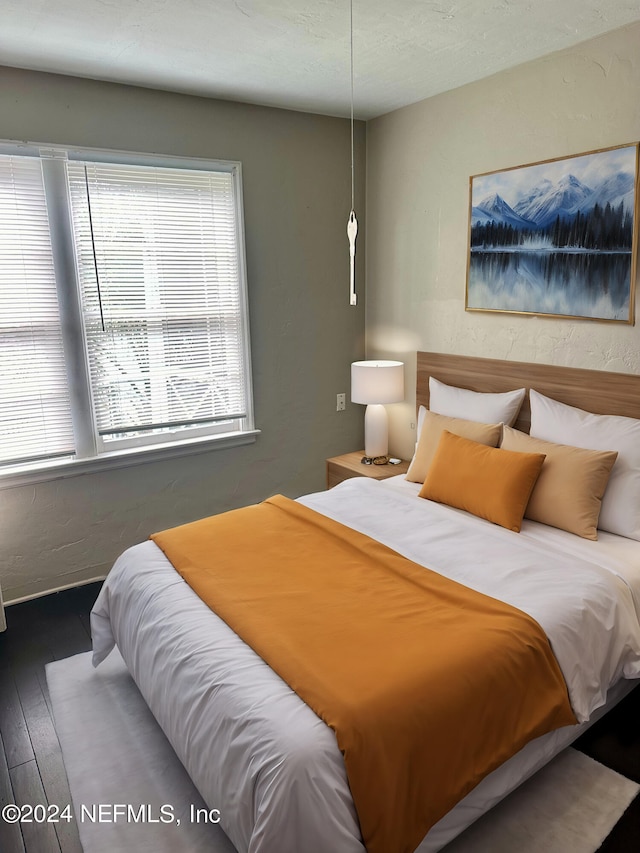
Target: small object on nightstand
{"points": [[375, 460], [394, 461]]}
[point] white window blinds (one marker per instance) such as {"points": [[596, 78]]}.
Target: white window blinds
{"points": [[158, 264], [35, 417], [123, 305]]}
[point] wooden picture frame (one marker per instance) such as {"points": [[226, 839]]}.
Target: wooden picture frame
{"points": [[556, 238]]}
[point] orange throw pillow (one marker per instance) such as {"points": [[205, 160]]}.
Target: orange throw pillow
{"points": [[489, 482]]}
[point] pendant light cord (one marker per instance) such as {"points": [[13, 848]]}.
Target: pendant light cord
{"points": [[352, 224], [93, 246]]}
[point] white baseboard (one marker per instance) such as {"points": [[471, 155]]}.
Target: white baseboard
{"points": [[62, 588]]}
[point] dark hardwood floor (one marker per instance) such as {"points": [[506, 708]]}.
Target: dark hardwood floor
{"points": [[31, 767]]}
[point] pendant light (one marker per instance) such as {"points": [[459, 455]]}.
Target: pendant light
{"points": [[352, 223]]}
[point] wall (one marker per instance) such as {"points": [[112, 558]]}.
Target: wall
{"points": [[304, 335], [419, 160]]}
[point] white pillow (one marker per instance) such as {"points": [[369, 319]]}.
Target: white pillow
{"points": [[473, 405], [422, 413], [554, 421]]}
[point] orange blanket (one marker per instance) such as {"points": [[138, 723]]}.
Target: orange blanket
{"points": [[427, 684]]}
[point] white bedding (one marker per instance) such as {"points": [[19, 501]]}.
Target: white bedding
{"points": [[261, 756]]}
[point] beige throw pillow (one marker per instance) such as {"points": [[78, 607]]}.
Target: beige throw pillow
{"points": [[433, 427], [568, 492]]}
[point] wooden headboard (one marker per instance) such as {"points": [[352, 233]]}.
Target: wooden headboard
{"points": [[594, 390]]}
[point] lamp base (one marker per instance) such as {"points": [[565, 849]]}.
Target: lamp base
{"points": [[376, 431]]}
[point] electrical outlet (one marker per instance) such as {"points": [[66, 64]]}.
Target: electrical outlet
{"points": [[341, 402]]}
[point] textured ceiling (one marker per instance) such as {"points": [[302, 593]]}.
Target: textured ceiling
{"points": [[295, 53]]}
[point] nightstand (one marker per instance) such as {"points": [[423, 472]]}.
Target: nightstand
{"points": [[348, 465]]}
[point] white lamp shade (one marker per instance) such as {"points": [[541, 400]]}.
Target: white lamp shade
{"points": [[377, 382]]}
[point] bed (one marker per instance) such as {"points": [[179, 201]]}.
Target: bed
{"points": [[256, 752]]}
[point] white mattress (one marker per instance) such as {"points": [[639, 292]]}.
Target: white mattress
{"points": [[261, 756]]}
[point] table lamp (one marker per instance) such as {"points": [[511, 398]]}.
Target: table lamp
{"points": [[375, 383]]}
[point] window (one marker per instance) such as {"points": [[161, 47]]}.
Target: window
{"points": [[123, 320]]}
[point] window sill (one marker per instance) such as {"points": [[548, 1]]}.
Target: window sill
{"points": [[62, 469]]}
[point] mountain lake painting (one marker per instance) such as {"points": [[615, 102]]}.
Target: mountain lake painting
{"points": [[556, 238]]}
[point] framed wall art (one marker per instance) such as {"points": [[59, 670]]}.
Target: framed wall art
{"points": [[557, 238]]}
